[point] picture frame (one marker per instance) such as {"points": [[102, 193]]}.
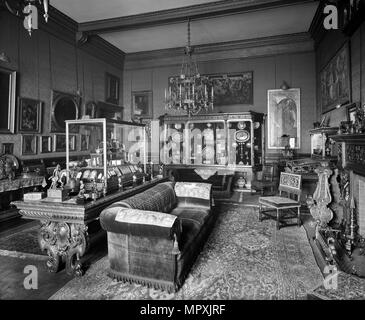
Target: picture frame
{"points": [[7, 100], [352, 110], [72, 142], [29, 144], [65, 106], [142, 104], [112, 85], [283, 117], [59, 143], [335, 85], [45, 144], [233, 89], [29, 115], [89, 110], [84, 142], [7, 148]]}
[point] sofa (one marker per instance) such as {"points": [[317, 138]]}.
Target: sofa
{"points": [[154, 237]]}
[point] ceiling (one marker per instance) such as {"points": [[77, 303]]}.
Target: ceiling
{"points": [[288, 18]]}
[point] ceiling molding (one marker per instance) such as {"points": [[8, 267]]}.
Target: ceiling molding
{"points": [[63, 27], [283, 44], [316, 29], [176, 15]]}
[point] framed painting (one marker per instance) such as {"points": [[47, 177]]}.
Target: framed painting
{"points": [[59, 143], [8, 148], [84, 142], [283, 117], [335, 86], [45, 144], [89, 110], [112, 84], [352, 110], [29, 115], [29, 144], [230, 89], [142, 104], [7, 100]]}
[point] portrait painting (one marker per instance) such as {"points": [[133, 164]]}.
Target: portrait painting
{"points": [[29, 144], [29, 115], [283, 117], [335, 81], [142, 104]]}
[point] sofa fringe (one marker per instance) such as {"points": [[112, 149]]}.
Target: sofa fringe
{"points": [[170, 288]]}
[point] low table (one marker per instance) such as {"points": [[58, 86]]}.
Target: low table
{"points": [[68, 229]]}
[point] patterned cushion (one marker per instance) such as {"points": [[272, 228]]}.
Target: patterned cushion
{"points": [[193, 190]]}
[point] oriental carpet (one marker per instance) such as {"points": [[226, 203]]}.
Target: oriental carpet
{"points": [[242, 259]]}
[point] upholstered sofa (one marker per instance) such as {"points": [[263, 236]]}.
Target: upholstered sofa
{"points": [[155, 236]]}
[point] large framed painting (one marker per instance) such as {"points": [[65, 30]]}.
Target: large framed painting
{"points": [[283, 117], [29, 115], [335, 80], [230, 89], [7, 100]]}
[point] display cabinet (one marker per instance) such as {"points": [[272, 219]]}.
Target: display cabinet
{"points": [[113, 154], [224, 142]]}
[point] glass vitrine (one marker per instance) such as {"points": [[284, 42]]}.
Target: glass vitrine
{"points": [[113, 152]]}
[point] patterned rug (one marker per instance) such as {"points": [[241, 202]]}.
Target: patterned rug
{"points": [[24, 240], [242, 259]]}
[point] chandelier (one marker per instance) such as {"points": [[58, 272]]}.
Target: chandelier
{"points": [[190, 91], [28, 10]]}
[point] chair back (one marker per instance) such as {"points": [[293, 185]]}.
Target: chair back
{"points": [[290, 183]]}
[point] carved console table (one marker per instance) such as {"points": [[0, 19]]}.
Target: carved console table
{"points": [[68, 229]]}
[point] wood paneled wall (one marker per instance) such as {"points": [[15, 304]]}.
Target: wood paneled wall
{"points": [[269, 71], [46, 62]]}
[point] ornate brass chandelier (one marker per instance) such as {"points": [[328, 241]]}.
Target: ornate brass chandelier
{"points": [[28, 10], [189, 92]]}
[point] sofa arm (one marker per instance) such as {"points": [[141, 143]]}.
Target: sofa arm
{"points": [[141, 223], [194, 194]]}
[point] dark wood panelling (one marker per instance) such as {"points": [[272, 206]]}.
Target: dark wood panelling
{"points": [[362, 63], [48, 61]]}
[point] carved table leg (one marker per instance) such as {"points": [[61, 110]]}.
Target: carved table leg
{"points": [[64, 242]]}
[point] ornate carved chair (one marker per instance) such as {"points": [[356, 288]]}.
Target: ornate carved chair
{"points": [[287, 206]]}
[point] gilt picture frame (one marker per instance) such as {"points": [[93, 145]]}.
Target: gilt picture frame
{"points": [[45, 144], [142, 104], [28, 144], [29, 115], [283, 117]]}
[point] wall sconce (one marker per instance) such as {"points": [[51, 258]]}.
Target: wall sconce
{"points": [[27, 10], [4, 57], [284, 86]]}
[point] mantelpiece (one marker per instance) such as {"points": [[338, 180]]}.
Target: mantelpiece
{"points": [[351, 152]]}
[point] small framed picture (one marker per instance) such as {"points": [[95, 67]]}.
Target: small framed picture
{"points": [[352, 112], [59, 143], [72, 142], [84, 142], [89, 110], [45, 144], [29, 144], [29, 115], [7, 148], [142, 104], [112, 84]]}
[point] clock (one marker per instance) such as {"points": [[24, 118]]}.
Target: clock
{"points": [[242, 136]]}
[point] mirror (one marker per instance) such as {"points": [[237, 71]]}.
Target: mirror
{"points": [[7, 100], [64, 107]]}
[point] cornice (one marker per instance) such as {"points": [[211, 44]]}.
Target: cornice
{"points": [[292, 43], [175, 15], [63, 27], [316, 29]]}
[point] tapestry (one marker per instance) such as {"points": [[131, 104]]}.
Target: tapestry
{"points": [[242, 259]]}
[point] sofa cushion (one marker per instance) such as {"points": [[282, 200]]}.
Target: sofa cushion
{"points": [[160, 198], [193, 194]]}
